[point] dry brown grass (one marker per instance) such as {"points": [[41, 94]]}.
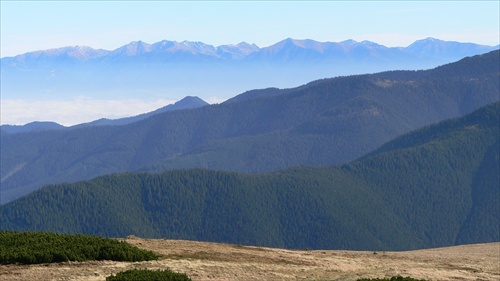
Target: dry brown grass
{"points": [[212, 261]]}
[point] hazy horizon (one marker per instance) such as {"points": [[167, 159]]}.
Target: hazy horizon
{"points": [[42, 25]]}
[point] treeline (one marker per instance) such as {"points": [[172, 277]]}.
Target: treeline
{"points": [[435, 187], [47, 247]]}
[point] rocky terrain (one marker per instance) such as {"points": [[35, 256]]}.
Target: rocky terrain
{"points": [[212, 261]]}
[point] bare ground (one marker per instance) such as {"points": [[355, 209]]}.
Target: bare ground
{"points": [[212, 261]]}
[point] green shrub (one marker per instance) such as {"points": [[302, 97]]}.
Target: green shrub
{"points": [[150, 275], [47, 247]]}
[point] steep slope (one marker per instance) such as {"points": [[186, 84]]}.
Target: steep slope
{"points": [[328, 121], [345, 117], [424, 189], [447, 169], [185, 103]]}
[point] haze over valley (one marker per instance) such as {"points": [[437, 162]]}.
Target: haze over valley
{"points": [[281, 140], [69, 85]]}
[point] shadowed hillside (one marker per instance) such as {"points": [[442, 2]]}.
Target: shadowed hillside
{"points": [[434, 187], [325, 122]]}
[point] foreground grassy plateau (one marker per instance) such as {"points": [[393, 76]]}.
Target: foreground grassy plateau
{"points": [[212, 261]]}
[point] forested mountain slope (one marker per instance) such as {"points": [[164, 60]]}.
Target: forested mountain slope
{"points": [[328, 121], [433, 187]]}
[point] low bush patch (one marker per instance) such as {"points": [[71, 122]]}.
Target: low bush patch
{"points": [[48, 247], [146, 274]]}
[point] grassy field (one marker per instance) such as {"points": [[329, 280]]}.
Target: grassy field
{"points": [[212, 261]]}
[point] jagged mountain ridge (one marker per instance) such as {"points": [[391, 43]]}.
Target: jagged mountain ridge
{"points": [[179, 69], [429, 47]]}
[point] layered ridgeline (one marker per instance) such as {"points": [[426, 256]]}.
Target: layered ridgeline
{"points": [[177, 69], [433, 187], [328, 121], [185, 103]]}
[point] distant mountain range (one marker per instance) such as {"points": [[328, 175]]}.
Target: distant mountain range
{"points": [[178, 69], [434, 187], [286, 50], [324, 122]]}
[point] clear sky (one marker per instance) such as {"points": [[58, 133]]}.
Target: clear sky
{"points": [[35, 25]]}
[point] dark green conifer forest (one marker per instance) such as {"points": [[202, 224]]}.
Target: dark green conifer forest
{"points": [[436, 186]]}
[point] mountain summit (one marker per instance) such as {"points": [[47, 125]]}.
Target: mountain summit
{"points": [[138, 48], [179, 69], [435, 48]]}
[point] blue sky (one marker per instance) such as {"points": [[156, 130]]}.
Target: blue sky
{"points": [[34, 25], [37, 25]]}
